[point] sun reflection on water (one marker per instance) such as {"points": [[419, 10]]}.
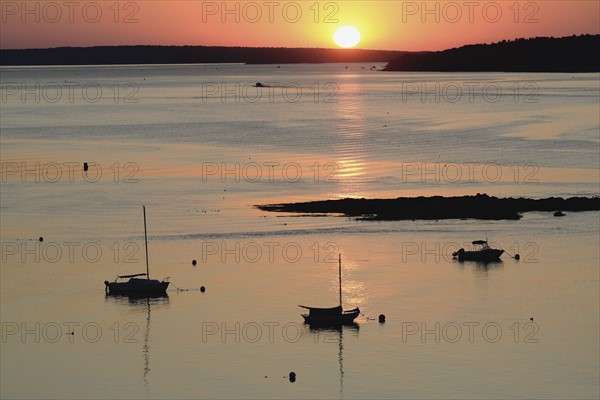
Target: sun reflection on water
{"points": [[349, 149]]}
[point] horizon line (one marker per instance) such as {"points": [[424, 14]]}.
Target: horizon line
{"points": [[280, 47]]}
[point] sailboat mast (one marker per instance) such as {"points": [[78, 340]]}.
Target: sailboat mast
{"points": [[146, 241], [340, 276]]}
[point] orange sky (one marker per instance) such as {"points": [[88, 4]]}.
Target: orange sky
{"points": [[395, 25]]}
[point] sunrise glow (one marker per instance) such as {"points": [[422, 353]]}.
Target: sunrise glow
{"points": [[386, 25]]}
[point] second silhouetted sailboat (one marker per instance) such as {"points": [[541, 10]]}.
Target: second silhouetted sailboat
{"points": [[138, 286]]}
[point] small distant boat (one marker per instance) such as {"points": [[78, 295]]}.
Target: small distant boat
{"points": [[483, 252], [138, 286], [559, 214], [333, 316]]}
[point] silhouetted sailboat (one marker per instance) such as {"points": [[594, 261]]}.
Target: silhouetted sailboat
{"points": [[138, 286], [334, 315]]}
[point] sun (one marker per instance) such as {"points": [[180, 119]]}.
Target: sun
{"points": [[346, 37]]}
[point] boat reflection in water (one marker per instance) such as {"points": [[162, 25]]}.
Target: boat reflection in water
{"points": [[482, 268], [488, 264], [141, 305], [329, 333]]}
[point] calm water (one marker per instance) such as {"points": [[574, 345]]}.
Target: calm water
{"points": [[200, 147]]}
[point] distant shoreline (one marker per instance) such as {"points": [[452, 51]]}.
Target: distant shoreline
{"points": [[481, 207], [171, 55], [570, 54]]}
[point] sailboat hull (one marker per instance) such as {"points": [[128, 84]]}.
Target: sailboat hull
{"points": [[138, 287], [340, 318]]}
